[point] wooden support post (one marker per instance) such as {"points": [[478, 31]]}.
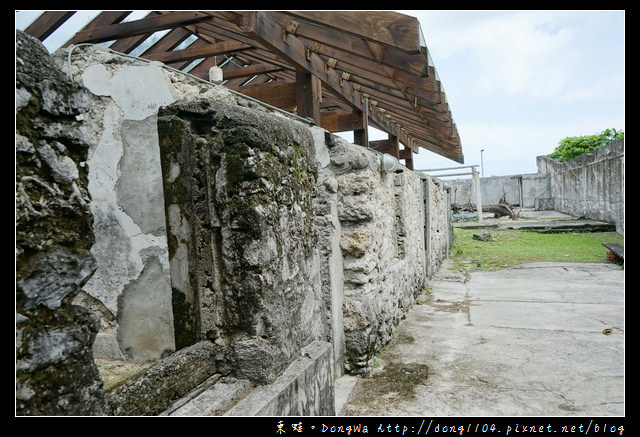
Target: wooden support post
{"points": [[407, 154], [308, 95], [361, 136]]}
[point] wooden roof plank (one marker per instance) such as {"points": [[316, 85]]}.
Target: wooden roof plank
{"points": [[381, 68], [139, 27], [47, 23], [104, 18], [359, 52], [385, 27], [203, 51]]}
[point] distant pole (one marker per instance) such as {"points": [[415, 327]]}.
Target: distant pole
{"points": [[481, 163], [478, 187]]}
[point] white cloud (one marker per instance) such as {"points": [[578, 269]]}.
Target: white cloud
{"points": [[516, 53], [605, 88]]}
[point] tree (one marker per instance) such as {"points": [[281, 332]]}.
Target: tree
{"points": [[571, 147]]}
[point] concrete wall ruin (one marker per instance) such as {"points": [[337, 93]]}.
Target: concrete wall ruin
{"points": [[524, 190], [242, 233], [591, 185]]}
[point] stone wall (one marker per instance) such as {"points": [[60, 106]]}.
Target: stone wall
{"points": [[238, 185], [55, 370], [438, 225], [219, 222]]}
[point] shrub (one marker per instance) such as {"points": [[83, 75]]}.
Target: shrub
{"points": [[570, 147]]}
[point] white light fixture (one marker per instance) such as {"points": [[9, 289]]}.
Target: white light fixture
{"points": [[215, 74], [389, 163]]}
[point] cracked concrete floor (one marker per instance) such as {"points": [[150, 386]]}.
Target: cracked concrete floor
{"points": [[543, 339]]}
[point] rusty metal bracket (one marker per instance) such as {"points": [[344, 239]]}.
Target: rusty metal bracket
{"points": [[290, 28]]}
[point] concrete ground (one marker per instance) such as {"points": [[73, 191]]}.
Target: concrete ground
{"points": [[542, 339]]}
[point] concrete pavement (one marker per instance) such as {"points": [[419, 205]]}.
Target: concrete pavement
{"points": [[542, 339]]}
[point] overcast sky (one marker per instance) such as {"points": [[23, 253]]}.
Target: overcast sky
{"points": [[517, 82]]}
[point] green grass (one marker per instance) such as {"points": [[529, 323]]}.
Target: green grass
{"points": [[510, 247]]}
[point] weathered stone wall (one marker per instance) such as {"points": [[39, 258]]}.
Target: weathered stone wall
{"points": [[280, 234], [131, 286], [55, 370], [379, 225], [438, 226], [590, 185], [238, 185]]}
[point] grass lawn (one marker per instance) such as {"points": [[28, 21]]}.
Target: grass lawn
{"points": [[510, 247]]}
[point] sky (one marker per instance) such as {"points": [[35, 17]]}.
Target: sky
{"points": [[517, 81]]}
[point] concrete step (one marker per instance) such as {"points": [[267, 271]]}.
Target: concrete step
{"points": [[214, 397]]}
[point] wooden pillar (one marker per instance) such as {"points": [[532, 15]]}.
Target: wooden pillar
{"points": [[308, 95], [407, 155], [361, 136], [392, 147]]}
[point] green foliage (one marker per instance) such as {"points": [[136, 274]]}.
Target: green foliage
{"points": [[571, 147]]}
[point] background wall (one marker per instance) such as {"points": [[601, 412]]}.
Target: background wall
{"points": [[591, 185]]}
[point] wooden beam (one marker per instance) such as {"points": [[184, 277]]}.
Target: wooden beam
{"points": [[203, 51], [281, 95], [271, 29], [393, 29], [407, 155], [230, 73], [361, 136], [169, 41], [139, 27], [390, 146], [130, 43], [340, 121], [47, 23], [250, 70]]}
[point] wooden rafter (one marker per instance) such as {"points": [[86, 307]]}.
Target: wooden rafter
{"points": [[47, 23], [139, 27]]}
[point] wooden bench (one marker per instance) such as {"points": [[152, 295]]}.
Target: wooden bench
{"points": [[617, 249]]}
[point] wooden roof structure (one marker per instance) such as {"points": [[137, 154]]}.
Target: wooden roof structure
{"points": [[346, 70]]}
